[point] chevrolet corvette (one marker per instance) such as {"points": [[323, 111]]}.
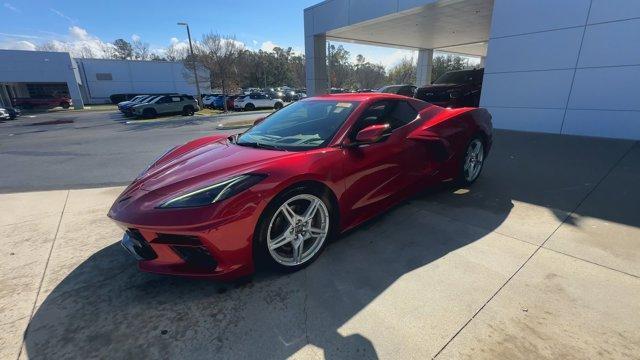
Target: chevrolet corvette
{"points": [[274, 196]]}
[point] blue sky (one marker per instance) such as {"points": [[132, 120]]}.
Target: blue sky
{"points": [[258, 24]]}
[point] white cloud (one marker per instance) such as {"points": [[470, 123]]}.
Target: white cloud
{"points": [[78, 33], [18, 45], [255, 42], [19, 36], [12, 8], [62, 15], [268, 46], [238, 43], [80, 44], [135, 37]]}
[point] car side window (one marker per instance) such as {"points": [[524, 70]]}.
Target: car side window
{"points": [[374, 115], [176, 99], [393, 112], [400, 114], [253, 96]]}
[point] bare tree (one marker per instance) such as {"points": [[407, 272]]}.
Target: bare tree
{"points": [[175, 53], [220, 54], [140, 50]]}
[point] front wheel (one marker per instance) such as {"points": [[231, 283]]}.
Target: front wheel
{"points": [[277, 106], [65, 105], [149, 113], [294, 229], [473, 162]]}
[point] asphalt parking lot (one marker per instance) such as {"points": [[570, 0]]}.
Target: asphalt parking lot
{"points": [[539, 259]]}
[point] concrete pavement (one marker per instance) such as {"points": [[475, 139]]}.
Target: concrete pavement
{"points": [[539, 259]]}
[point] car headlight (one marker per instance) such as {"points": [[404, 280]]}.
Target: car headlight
{"points": [[214, 193], [454, 94]]}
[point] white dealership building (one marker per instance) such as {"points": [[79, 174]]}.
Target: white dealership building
{"points": [[555, 66], [87, 81]]}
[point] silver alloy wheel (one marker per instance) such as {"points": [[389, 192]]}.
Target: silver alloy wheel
{"points": [[298, 230], [473, 160]]}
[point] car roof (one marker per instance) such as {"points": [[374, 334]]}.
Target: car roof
{"points": [[357, 97]]}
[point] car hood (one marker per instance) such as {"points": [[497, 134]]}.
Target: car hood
{"points": [[193, 166]]}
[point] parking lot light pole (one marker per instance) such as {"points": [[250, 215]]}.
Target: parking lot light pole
{"points": [[193, 58]]}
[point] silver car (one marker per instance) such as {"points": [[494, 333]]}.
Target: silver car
{"points": [[167, 104]]}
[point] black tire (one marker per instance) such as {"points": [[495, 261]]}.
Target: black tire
{"points": [[65, 105], [149, 113], [249, 107], [277, 106], [262, 256], [463, 179], [188, 111]]}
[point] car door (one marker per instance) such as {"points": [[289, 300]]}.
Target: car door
{"points": [[163, 105], [176, 104], [376, 174], [263, 101]]}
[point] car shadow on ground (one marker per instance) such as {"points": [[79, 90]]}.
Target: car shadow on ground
{"points": [[105, 308]]}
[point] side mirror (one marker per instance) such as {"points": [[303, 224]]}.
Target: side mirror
{"points": [[258, 121], [371, 134]]}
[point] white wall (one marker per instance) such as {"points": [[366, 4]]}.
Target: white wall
{"points": [[18, 66], [134, 77], [570, 67]]}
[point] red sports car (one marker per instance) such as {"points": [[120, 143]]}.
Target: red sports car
{"points": [[274, 195]]}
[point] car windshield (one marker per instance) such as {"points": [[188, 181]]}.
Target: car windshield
{"points": [[300, 126], [455, 77]]}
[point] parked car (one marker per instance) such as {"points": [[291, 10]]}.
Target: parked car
{"points": [[167, 104], [207, 101], [127, 109], [275, 195], [404, 90], [257, 101], [454, 89], [49, 101], [218, 102], [124, 105], [4, 114], [11, 112], [230, 100]]}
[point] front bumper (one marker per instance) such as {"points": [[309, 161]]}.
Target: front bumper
{"points": [[186, 242]]}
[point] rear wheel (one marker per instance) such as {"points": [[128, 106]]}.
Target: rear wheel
{"points": [[65, 105], [249, 107], [472, 162], [294, 229], [188, 111], [277, 106]]}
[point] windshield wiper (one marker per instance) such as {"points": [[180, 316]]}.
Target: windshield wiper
{"points": [[258, 145]]}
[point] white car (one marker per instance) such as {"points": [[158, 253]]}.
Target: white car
{"points": [[257, 101], [4, 114]]}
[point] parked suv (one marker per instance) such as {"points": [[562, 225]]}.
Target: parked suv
{"points": [[454, 89], [406, 90], [256, 101], [49, 101], [167, 104]]}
